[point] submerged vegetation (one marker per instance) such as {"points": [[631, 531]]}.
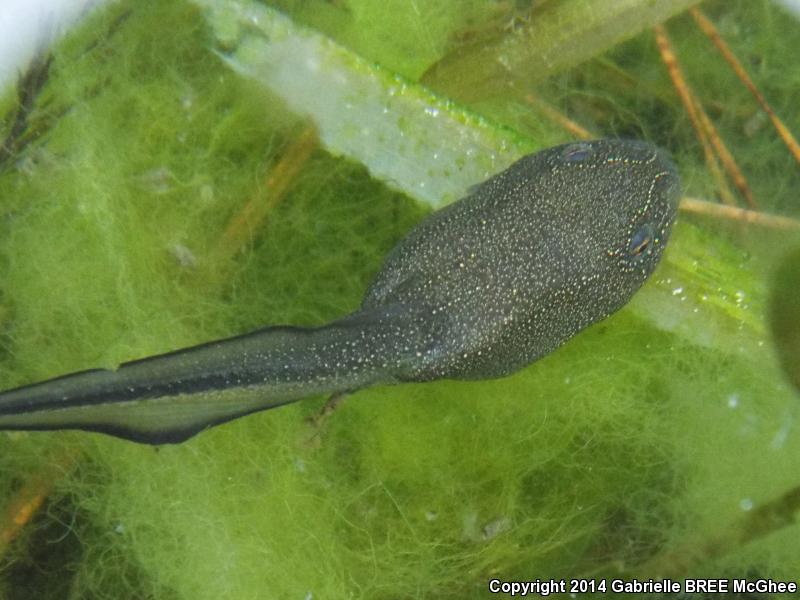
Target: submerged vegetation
{"points": [[152, 197]]}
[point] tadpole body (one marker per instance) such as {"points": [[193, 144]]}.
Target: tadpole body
{"points": [[479, 289]]}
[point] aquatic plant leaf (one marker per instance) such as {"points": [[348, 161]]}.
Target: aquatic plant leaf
{"points": [[420, 143], [562, 34]]}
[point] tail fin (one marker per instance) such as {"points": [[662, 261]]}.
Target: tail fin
{"points": [[171, 397]]}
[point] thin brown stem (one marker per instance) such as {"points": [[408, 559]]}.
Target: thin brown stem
{"points": [[240, 229], [572, 127], [708, 28], [26, 502], [691, 104], [742, 215]]}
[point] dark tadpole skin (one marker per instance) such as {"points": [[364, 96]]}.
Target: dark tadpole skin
{"points": [[479, 289]]}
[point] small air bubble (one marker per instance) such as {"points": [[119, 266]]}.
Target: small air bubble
{"points": [[183, 256]]}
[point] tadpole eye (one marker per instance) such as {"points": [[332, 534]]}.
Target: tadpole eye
{"points": [[642, 241], [577, 152]]}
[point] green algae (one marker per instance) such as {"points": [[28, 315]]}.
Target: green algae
{"points": [[651, 431]]}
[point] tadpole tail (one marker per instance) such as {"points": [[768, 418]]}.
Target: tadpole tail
{"points": [[171, 397]]}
